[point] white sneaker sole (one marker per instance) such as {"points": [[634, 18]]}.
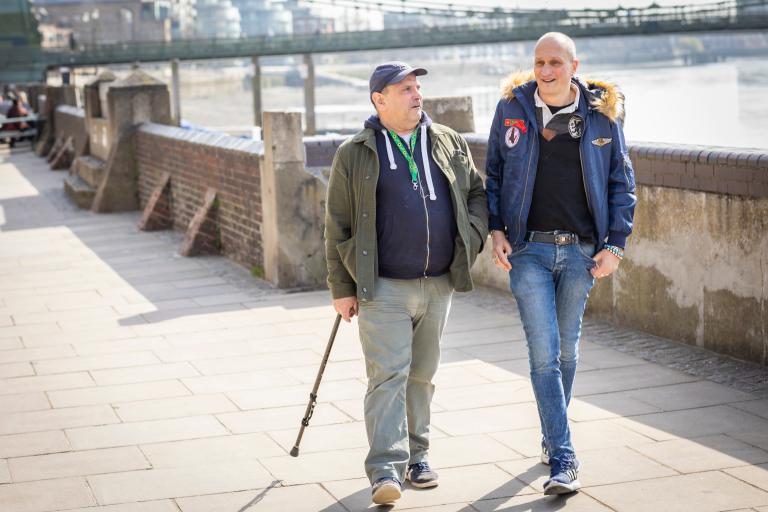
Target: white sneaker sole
{"points": [[387, 493], [560, 488], [544, 458]]}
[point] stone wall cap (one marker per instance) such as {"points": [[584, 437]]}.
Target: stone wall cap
{"points": [[70, 110], [325, 140], [137, 78], [212, 139], [104, 76]]}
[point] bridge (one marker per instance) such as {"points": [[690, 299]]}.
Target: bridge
{"points": [[479, 26]]}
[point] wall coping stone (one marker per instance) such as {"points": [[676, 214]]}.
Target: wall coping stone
{"points": [[70, 110], [211, 139]]}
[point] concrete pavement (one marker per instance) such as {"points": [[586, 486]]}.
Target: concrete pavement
{"points": [[134, 380]]}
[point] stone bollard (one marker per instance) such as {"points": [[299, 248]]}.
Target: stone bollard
{"points": [[452, 111], [131, 101], [293, 206], [54, 97]]}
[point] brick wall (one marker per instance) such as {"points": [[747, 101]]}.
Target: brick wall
{"points": [[735, 171], [196, 161], [70, 122]]}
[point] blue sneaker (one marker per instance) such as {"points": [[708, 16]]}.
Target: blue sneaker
{"points": [[564, 478], [421, 475], [386, 490]]}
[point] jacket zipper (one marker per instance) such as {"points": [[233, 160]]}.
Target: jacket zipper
{"points": [[584, 180], [426, 215], [527, 174]]}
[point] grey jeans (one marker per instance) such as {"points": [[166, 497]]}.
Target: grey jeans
{"points": [[400, 331]]}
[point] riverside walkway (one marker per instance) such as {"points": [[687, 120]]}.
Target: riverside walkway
{"points": [[135, 380]]}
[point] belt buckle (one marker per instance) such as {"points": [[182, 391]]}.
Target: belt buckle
{"points": [[562, 239]]}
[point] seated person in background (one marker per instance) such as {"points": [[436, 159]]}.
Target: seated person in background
{"points": [[5, 105], [17, 110]]}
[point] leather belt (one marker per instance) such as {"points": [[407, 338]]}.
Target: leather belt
{"points": [[557, 238]]}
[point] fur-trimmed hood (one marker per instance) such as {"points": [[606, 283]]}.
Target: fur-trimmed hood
{"points": [[604, 97]]}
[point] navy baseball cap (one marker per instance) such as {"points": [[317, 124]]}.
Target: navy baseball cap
{"points": [[391, 73]]}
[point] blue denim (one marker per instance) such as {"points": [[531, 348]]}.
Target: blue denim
{"points": [[551, 284]]}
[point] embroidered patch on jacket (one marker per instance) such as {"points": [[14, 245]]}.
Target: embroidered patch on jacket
{"points": [[601, 141], [516, 122], [576, 126], [512, 137]]}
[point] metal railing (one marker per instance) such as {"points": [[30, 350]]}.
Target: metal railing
{"points": [[515, 26]]}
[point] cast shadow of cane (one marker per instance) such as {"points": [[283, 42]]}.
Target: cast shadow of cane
{"points": [[260, 496]]}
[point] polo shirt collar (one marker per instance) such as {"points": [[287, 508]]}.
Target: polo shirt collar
{"points": [[546, 114]]}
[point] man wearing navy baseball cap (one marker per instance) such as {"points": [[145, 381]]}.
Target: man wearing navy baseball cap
{"points": [[406, 216]]}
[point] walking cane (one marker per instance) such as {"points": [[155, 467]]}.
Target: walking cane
{"points": [[313, 395]]}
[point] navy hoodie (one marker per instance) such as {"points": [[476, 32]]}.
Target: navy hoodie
{"points": [[415, 233]]}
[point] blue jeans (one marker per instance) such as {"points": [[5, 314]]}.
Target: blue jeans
{"points": [[551, 284]]}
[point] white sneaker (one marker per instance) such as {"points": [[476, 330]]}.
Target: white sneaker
{"points": [[385, 490]]}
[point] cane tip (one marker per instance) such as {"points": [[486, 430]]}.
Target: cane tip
{"points": [[295, 451]]}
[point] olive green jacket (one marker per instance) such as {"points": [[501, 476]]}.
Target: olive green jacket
{"points": [[350, 216]]}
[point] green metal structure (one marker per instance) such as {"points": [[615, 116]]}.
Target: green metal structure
{"points": [[730, 15], [18, 33]]}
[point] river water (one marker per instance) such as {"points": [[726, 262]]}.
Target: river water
{"points": [[718, 104]]}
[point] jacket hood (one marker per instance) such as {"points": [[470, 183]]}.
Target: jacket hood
{"points": [[374, 122], [604, 97]]}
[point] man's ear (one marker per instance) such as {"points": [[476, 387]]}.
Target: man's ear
{"points": [[575, 65], [378, 99]]}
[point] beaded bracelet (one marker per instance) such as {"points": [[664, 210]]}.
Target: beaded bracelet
{"points": [[616, 251]]}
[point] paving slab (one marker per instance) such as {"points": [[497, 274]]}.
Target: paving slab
{"points": [[117, 393], [46, 495], [703, 453], [36, 421], [127, 434], [537, 503], [704, 492], [236, 475], [704, 421], [296, 498], [756, 475], [197, 452], [144, 506], [81, 463], [5, 472]]}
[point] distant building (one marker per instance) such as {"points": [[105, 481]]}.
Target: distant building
{"points": [[96, 22], [183, 14], [217, 19], [309, 21], [264, 18], [53, 36]]}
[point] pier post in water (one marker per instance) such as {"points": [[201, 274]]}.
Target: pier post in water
{"points": [[176, 92], [309, 95], [256, 86]]}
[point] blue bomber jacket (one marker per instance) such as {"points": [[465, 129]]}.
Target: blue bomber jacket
{"points": [[513, 154]]}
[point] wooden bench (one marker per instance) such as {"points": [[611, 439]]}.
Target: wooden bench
{"points": [[16, 135]]}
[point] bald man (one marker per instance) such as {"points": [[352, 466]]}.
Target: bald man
{"points": [[561, 198]]}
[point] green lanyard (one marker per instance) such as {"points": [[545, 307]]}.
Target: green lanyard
{"points": [[408, 156]]}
